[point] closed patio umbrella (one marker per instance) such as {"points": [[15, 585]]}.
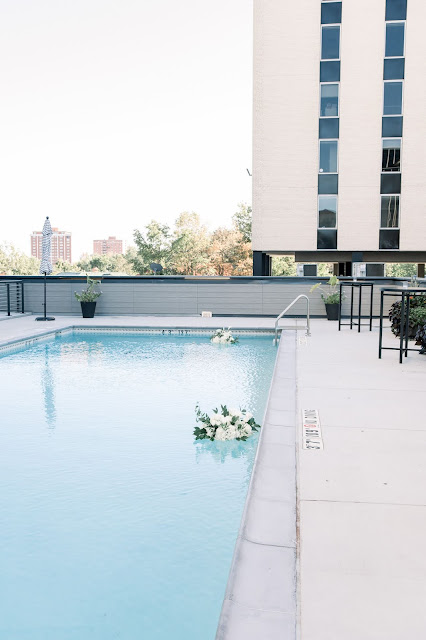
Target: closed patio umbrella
{"points": [[46, 264]]}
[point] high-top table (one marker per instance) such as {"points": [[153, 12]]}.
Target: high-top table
{"points": [[356, 285], [405, 296]]}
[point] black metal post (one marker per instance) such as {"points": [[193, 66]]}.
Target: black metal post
{"points": [[359, 308], [22, 297], [340, 305], [402, 329], [352, 305], [45, 317], [381, 324], [8, 298], [407, 330], [371, 308]]}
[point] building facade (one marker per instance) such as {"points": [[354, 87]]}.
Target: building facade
{"points": [[107, 246], [339, 125], [60, 242]]}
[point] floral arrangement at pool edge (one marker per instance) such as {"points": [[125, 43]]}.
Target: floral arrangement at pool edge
{"points": [[223, 336], [228, 424]]}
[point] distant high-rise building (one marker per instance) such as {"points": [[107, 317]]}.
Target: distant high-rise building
{"points": [[61, 245], [108, 246]]}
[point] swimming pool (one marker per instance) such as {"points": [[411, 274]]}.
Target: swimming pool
{"points": [[116, 524]]}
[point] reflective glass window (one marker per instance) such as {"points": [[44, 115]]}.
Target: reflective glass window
{"points": [[391, 155], [330, 71], [392, 127], [328, 183], [392, 103], [394, 69], [327, 212], [330, 43], [329, 128], [389, 239], [329, 100], [390, 183], [331, 13], [390, 212], [328, 156], [396, 9], [327, 239], [394, 40]]}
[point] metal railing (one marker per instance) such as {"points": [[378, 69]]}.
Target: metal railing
{"points": [[308, 325], [12, 296]]}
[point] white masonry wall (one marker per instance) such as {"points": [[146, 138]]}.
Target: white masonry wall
{"points": [[285, 125]]}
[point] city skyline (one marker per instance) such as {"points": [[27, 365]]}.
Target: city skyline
{"points": [[101, 135]]}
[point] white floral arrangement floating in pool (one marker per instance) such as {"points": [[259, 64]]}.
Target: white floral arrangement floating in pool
{"points": [[223, 336], [226, 424]]}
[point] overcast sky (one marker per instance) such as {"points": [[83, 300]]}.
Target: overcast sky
{"points": [[115, 112]]}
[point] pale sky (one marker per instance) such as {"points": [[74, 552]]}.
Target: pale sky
{"points": [[114, 112]]}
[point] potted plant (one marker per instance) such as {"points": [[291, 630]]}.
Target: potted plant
{"points": [[88, 297], [417, 316], [331, 297]]}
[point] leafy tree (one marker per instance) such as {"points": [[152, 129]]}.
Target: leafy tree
{"points": [[62, 266], [401, 270], [229, 254], [242, 221], [283, 266], [106, 263], [16, 263], [152, 246], [189, 248]]}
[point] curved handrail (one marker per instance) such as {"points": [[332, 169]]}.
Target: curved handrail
{"points": [[308, 328]]}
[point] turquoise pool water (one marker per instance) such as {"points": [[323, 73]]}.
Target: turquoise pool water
{"points": [[115, 523]]}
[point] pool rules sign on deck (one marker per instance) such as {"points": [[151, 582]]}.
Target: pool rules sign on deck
{"points": [[312, 436]]}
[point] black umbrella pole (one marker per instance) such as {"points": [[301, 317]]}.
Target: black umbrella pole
{"points": [[45, 318]]}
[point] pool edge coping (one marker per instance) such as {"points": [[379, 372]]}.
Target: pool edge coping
{"points": [[264, 605]]}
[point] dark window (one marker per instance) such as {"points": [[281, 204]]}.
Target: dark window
{"points": [[329, 128], [310, 270], [389, 212], [331, 13], [394, 40], [328, 156], [389, 239], [327, 239], [374, 270], [396, 9], [329, 100], [328, 183], [330, 43], [392, 127], [391, 155], [392, 102], [394, 69], [390, 183], [327, 212], [330, 71]]}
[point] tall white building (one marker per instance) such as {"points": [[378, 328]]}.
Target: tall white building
{"points": [[339, 169]]}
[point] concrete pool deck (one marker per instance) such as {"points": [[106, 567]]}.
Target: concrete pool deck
{"points": [[361, 500]]}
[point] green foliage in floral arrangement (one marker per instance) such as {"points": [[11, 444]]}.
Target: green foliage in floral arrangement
{"points": [[89, 294], [226, 424], [330, 295]]}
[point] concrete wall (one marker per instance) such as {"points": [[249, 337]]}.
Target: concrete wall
{"points": [[184, 296]]}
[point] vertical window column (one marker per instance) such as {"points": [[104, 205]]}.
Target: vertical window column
{"points": [[392, 123], [328, 180]]}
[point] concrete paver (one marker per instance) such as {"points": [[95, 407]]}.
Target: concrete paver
{"points": [[362, 499]]}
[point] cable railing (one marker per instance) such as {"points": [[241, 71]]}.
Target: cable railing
{"points": [[307, 327], [12, 296]]}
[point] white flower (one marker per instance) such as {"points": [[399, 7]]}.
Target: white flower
{"points": [[227, 419], [247, 416], [210, 431], [235, 412], [220, 434]]}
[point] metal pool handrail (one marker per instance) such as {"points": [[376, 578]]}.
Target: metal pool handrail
{"points": [[308, 326], [12, 296]]}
